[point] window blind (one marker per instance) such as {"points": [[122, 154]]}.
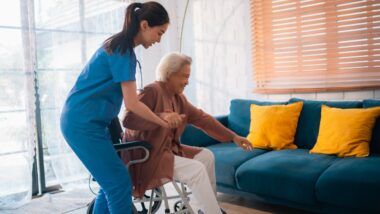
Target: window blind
{"points": [[315, 45]]}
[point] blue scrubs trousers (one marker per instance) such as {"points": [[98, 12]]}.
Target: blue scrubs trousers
{"points": [[93, 145]]}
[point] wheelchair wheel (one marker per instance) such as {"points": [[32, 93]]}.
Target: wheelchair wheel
{"points": [[90, 207], [142, 207], [178, 206]]}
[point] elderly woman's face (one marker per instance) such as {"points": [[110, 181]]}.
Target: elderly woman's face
{"points": [[179, 80]]}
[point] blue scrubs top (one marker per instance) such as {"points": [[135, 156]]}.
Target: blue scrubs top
{"points": [[97, 96]]}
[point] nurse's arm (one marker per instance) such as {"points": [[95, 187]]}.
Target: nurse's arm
{"points": [[132, 103]]}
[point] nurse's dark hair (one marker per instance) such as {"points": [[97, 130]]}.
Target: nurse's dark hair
{"points": [[153, 12]]}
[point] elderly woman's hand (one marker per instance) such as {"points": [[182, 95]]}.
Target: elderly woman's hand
{"points": [[172, 118], [243, 143]]}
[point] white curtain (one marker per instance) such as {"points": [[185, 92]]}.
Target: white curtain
{"points": [[78, 29], [44, 44], [17, 132]]}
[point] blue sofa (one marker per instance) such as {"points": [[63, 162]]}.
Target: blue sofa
{"points": [[295, 178]]}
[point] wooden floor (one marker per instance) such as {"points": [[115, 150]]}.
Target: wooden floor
{"points": [[238, 205], [75, 202]]}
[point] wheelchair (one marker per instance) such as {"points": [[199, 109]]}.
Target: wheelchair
{"points": [[152, 200]]}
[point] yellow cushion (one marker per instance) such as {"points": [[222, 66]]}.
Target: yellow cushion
{"points": [[274, 127], [345, 132]]}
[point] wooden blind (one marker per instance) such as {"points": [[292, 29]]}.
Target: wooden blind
{"points": [[315, 45]]}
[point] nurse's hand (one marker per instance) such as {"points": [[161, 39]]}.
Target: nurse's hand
{"points": [[173, 119]]}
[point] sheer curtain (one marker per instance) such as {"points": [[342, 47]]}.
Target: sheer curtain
{"points": [[43, 46], [16, 109], [67, 39]]}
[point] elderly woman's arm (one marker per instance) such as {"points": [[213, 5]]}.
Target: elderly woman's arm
{"points": [[208, 124], [149, 97]]}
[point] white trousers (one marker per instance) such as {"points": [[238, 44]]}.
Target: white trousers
{"points": [[199, 175]]}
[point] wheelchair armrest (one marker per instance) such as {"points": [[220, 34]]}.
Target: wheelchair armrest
{"points": [[131, 145]]}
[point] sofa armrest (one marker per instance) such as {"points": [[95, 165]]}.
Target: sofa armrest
{"points": [[193, 136]]}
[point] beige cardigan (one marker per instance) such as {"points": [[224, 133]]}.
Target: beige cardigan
{"points": [[158, 170]]}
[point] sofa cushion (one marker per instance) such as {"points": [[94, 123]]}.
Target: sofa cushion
{"points": [[273, 127], [239, 117], [375, 140], [351, 182], [228, 157], [195, 137], [308, 123], [345, 132], [285, 174]]}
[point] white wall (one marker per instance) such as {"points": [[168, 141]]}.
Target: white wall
{"points": [[217, 36], [169, 42]]}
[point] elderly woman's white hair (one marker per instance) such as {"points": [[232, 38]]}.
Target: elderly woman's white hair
{"points": [[171, 63]]}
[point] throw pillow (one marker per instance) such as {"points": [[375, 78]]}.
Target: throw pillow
{"points": [[345, 132], [273, 127]]}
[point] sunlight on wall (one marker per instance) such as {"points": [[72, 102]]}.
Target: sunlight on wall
{"points": [[198, 59], [217, 38]]}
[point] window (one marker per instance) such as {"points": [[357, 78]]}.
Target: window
{"points": [[44, 45], [315, 45]]}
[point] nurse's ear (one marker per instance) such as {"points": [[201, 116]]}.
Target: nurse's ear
{"points": [[144, 25]]}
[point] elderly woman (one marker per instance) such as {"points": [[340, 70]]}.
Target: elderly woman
{"points": [[168, 158]]}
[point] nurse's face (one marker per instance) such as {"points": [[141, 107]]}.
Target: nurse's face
{"points": [[150, 35], [177, 81]]}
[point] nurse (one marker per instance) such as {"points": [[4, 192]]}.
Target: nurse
{"points": [[104, 84]]}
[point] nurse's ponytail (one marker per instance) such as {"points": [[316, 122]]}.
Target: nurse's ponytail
{"points": [[153, 12]]}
